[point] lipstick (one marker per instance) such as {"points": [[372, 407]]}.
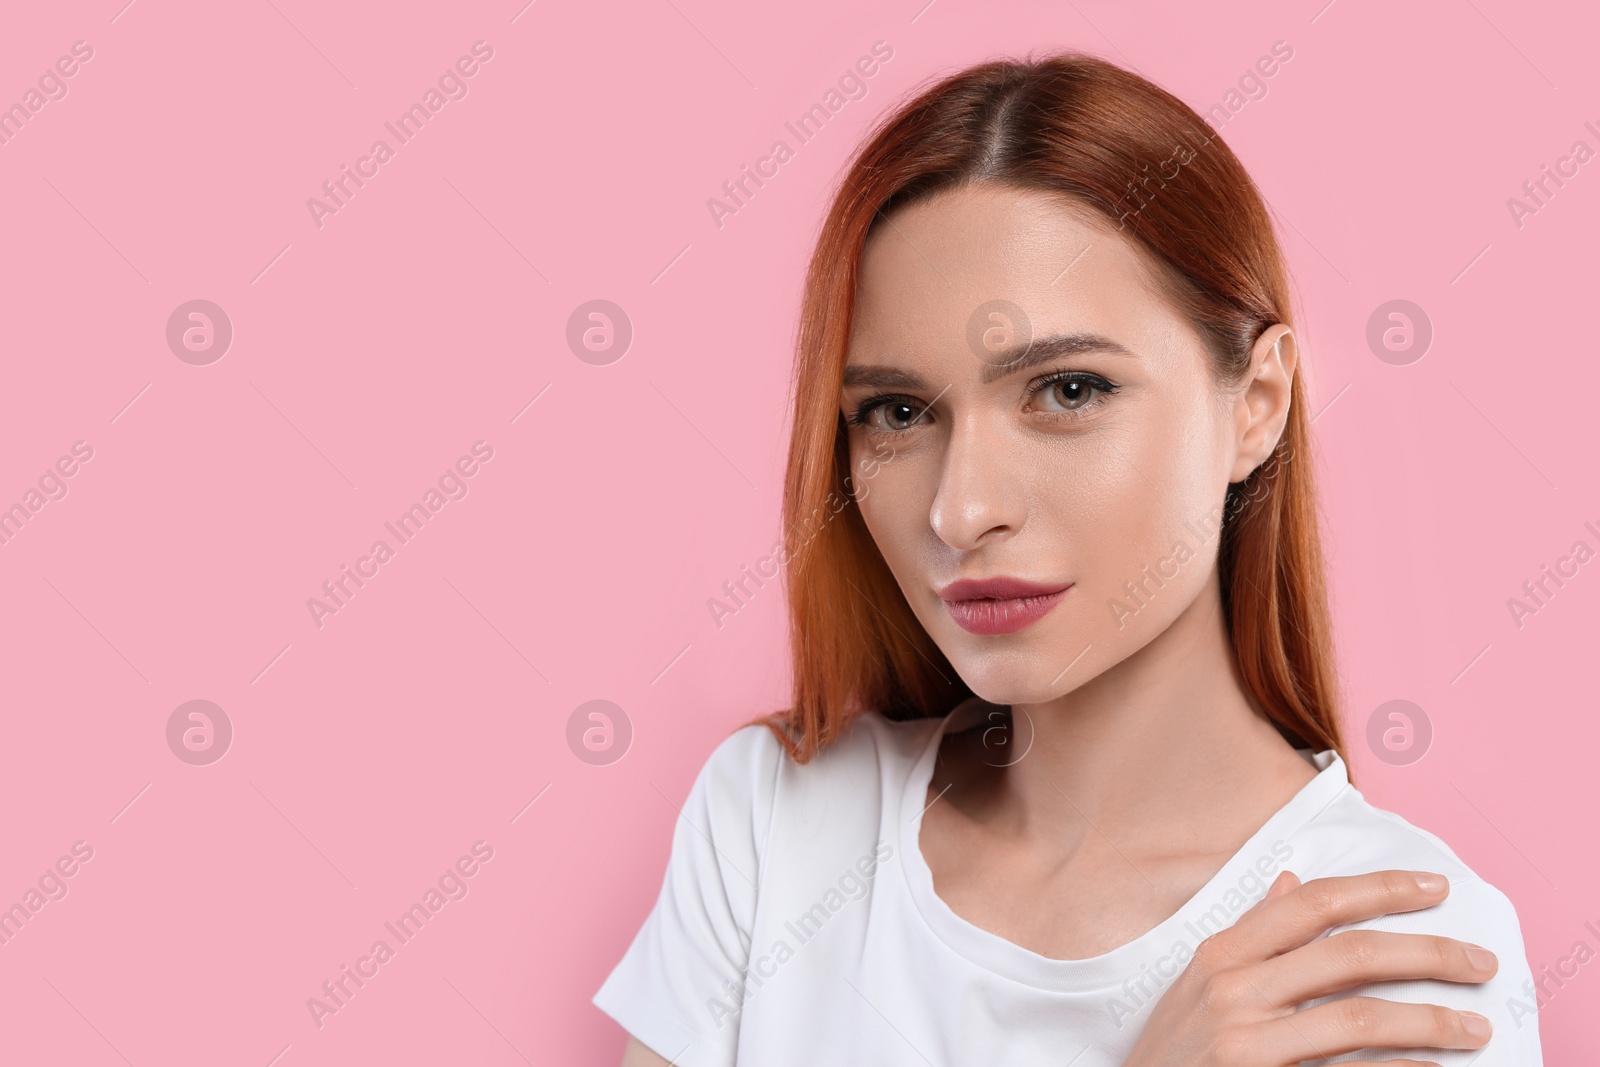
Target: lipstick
{"points": [[999, 605]]}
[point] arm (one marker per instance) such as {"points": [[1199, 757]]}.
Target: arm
{"points": [[637, 1055]]}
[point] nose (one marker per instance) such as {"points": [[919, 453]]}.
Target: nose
{"points": [[980, 498]]}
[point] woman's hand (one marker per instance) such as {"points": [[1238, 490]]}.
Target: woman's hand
{"points": [[1236, 1004]]}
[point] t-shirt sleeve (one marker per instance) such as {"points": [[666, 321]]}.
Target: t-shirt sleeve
{"points": [[1477, 913], [679, 987]]}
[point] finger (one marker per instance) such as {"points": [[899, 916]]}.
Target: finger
{"points": [[1282, 884], [1285, 881], [1365, 1024], [1271, 889], [1304, 913], [1352, 957]]}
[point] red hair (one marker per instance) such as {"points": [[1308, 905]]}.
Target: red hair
{"points": [[1105, 139]]}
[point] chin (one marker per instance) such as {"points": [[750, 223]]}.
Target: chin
{"points": [[1016, 675]]}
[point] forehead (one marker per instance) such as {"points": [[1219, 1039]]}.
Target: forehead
{"points": [[928, 267]]}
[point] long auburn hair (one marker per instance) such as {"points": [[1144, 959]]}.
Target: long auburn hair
{"points": [[1075, 126]]}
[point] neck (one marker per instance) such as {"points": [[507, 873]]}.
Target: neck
{"points": [[1167, 748]]}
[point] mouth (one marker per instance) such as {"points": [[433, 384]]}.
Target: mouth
{"points": [[999, 605]]}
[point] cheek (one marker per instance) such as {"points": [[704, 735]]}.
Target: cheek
{"points": [[895, 503], [1146, 536], [888, 501]]}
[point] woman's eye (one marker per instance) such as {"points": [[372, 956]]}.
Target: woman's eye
{"points": [[1071, 394], [892, 415]]}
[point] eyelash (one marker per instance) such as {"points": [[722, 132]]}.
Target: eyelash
{"points": [[864, 410]]}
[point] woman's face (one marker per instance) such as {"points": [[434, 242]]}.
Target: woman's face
{"points": [[1098, 461]]}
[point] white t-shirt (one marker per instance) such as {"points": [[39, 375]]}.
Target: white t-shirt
{"points": [[809, 879]]}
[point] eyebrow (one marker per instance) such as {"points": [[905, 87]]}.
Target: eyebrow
{"points": [[1009, 362]]}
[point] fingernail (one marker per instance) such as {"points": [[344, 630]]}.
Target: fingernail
{"points": [[1475, 1024], [1429, 883], [1481, 958]]}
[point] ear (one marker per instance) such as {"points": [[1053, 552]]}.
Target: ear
{"points": [[1261, 408]]}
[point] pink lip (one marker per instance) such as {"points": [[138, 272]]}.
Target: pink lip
{"points": [[999, 605]]}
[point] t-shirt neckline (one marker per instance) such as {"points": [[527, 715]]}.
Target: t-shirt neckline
{"points": [[995, 953]]}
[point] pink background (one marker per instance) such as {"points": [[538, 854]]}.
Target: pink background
{"points": [[368, 354]]}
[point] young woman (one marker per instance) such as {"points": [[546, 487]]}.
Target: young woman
{"points": [[1063, 781]]}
